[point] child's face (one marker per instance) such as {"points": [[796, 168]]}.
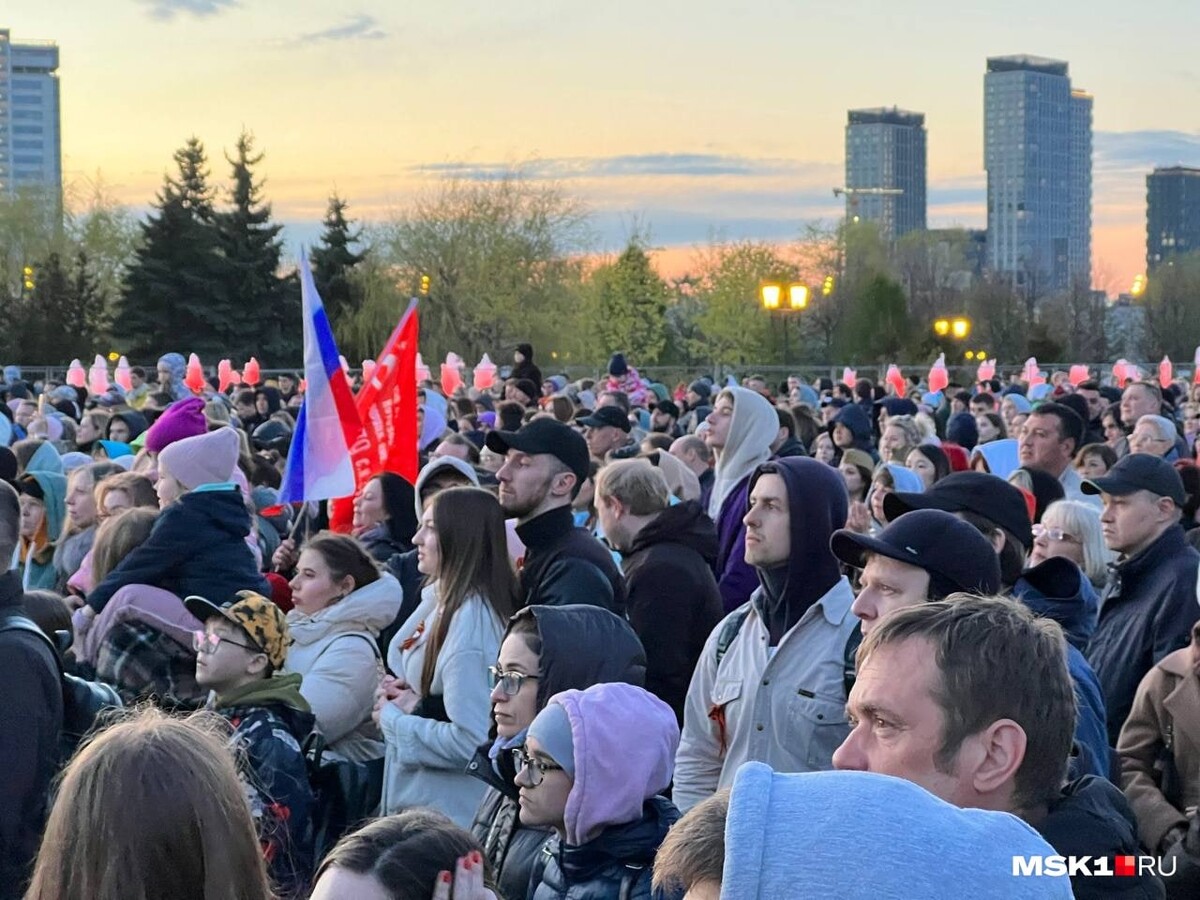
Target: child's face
{"points": [[228, 665]]}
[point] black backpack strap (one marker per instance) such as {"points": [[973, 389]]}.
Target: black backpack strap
{"points": [[13, 620], [628, 879], [730, 631]]}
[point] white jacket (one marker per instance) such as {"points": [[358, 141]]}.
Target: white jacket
{"points": [[335, 651], [426, 760]]}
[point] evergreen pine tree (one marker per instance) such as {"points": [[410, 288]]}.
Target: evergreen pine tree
{"points": [[333, 261], [47, 306], [174, 292], [263, 319], [85, 323]]}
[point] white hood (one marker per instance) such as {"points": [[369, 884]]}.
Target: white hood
{"points": [[370, 609]]}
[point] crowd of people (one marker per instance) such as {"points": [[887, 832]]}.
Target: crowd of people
{"points": [[619, 639]]}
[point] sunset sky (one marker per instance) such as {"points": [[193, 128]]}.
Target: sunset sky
{"points": [[689, 117]]}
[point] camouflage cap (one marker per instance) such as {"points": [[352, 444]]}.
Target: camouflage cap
{"points": [[262, 620]]}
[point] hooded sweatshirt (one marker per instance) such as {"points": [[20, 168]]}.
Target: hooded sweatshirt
{"points": [[527, 368], [178, 366], [858, 422], [135, 421], [45, 459], [1000, 456], [335, 650], [913, 845], [615, 819], [751, 431], [674, 603], [1058, 590], [39, 572], [777, 692], [581, 646]]}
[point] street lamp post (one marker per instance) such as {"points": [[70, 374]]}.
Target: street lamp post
{"points": [[784, 298], [955, 328]]}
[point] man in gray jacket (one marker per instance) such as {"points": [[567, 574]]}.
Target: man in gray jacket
{"points": [[770, 683]]}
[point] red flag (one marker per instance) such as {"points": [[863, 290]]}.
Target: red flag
{"points": [[387, 406]]}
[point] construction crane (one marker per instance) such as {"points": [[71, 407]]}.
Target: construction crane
{"points": [[852, 195]]}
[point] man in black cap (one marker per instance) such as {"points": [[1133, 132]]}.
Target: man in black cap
{"points": [[1150, 605], [605, 430], [545, 464], [995, 507], [698, 401], [924, 555]]}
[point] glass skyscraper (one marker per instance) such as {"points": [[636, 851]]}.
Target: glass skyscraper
{"points": [[1038, 156], [30, 121], [1172, 214], [885, 148]]}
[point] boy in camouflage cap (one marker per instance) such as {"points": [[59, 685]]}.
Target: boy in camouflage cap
{"points": [[238, 657]]}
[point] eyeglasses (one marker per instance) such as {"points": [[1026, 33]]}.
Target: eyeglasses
{"points": [[209, 641], [1054, 534], [537, 768], [509, 682]]}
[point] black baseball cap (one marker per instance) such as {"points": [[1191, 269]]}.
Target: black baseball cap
{"points": [[978, 492], [546, 436], [1139, 472], [956, 556], [606, 417]]}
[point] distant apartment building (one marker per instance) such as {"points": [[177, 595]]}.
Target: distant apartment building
{"points": [[30, 119], [885, 150], [1172, 214], [1038, 157]]}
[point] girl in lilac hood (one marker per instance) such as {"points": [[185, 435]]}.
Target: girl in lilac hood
{"points": [[592, 768]]}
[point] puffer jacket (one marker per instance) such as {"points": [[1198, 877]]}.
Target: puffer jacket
{"points": [[335, 650], [617, 865], [582, 645]]}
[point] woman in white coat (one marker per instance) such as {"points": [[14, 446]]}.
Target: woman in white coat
{"points": [[341, 603], [436, 710]]}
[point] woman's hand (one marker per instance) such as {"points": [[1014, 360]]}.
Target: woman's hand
{"points": [[859, 517], [405, 700], [81, 620], [466, 883], [286, 556]]}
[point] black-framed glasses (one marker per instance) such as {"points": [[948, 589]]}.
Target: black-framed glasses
{"points": [[209, 641], [537, 768], [508, 682]]}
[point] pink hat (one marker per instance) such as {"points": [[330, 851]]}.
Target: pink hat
{"points": [[208, 458], [183, 419]]}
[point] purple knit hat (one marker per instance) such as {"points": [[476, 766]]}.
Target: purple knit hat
{"points": [[182, 419]]}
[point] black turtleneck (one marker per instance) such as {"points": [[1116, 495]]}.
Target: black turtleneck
{"points": [[564, 564]]}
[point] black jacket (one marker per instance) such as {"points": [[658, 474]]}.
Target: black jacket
{"points": [[674, 602], [620, 854], [1093, 818], [30, 722], [791, 447], [564, 564], [581, 646], [197, 546], [1148, 612]]}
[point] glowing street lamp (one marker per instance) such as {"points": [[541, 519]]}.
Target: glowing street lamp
{"points": [[958, 328], [1139, 286]]}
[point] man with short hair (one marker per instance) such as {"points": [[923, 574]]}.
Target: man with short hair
{"points": [[982, 403], [924, 555], [1156, 436], [667, 556], [1150, 605], [545, 464], [605, 430], [1048, 442], [770, 682], [617, 399], [1096, 404], [31, 716], [971, 698], [664, 419], [1140, 398], [786, 443], [697, 456]]}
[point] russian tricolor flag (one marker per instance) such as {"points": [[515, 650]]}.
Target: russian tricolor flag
{"points": [[318, 464]]}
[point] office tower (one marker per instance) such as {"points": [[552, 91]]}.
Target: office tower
{"points": [[885, 151], [1038, 156], [1172, 214], [30, 121]]}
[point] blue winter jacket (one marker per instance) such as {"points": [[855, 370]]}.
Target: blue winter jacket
{"points": [[1058, 590], [197, 546]]}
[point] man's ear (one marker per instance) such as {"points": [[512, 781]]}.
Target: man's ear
{"points": [[1002, 747], [258, 664]]}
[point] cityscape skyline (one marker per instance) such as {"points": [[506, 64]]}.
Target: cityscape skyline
{"points": [[378, 103]]}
